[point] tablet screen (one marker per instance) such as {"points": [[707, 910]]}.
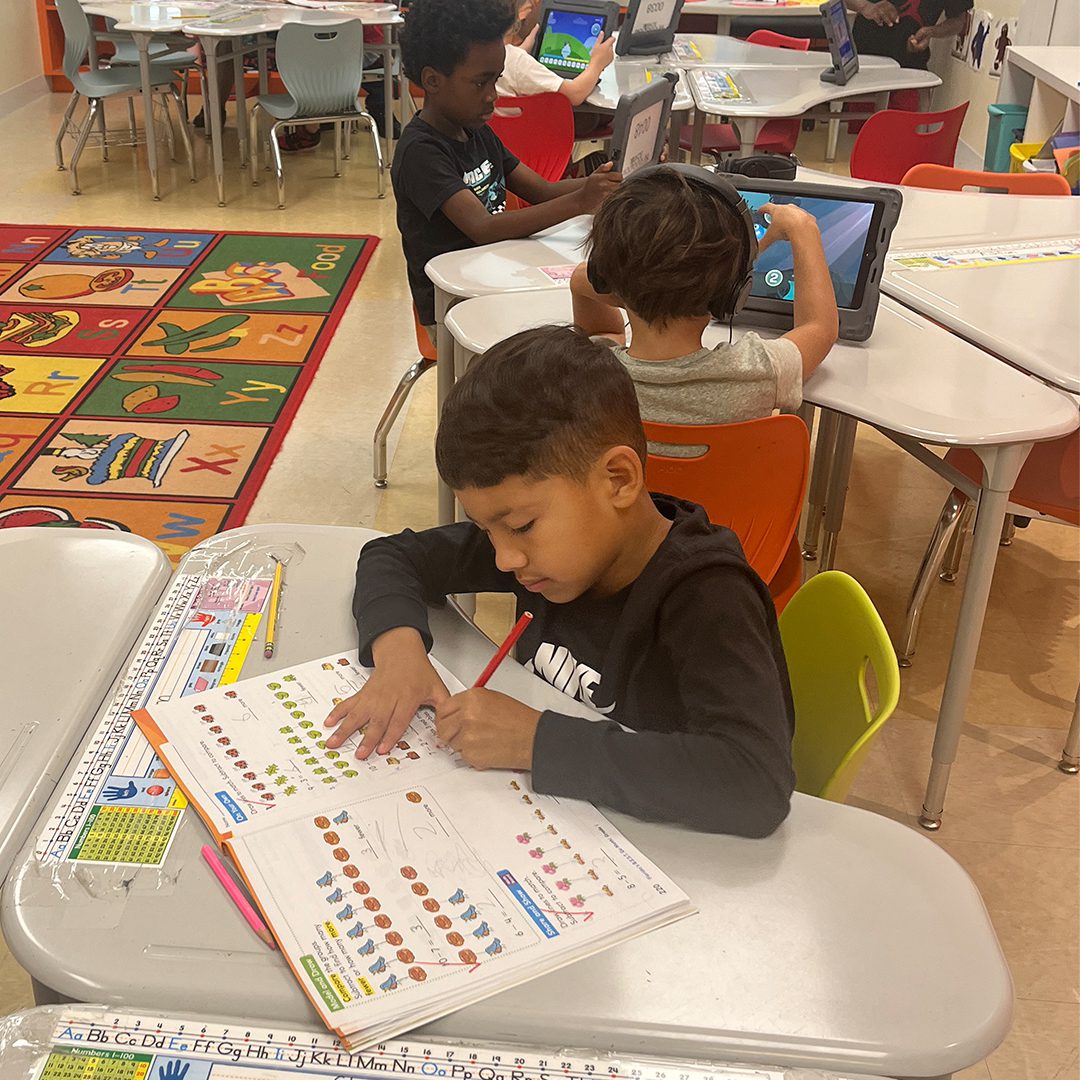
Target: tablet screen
{"points": [[568, 40], [846, 233]]}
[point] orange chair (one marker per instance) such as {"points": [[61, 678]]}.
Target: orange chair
{"points": [[428, 358], [775, 136], [944, 178], [890, 142], [752, 478], [1048, 487]]}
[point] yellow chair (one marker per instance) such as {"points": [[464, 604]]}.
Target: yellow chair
{"points": [[833, 638]]}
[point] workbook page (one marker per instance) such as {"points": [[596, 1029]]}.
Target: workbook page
{"points": [[258, 747], [400, 906]]}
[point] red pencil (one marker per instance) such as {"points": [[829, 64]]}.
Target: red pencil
{"points": [[504, 649]]}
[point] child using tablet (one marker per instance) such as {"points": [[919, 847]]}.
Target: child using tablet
{"points": [[673, 247], [450, 171], [641, 608]]}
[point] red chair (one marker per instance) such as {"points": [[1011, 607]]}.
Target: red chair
{"points": [[942, 178], [538, 130], [752, 478], [775, 136], [890, 142]]}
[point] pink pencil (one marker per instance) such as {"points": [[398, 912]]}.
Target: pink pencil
{"points": [[237, 897], [504, 649]]}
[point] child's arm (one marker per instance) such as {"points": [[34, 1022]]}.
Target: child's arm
{"points": [[816, 320], [557, 203], [597, 315], [397, 577], [729, 767], [581, 86]]}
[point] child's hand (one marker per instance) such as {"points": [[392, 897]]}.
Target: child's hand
{"points": [[786, 222], [402, 681], [489, 730], [597, 187], [603, 53]]}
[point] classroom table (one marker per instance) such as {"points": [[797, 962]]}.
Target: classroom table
{"points": [[726, 10], [225, 29], [767, 93], [707, 50], [74, 601], [1026, 312], [817, 947], [88, 1040]]}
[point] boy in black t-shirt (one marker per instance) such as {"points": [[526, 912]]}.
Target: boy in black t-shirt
{"points": [[451, 172], [902, 29], [641, 608]]}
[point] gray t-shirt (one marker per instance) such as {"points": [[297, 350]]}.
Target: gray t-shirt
{"points": [[743, 381]]}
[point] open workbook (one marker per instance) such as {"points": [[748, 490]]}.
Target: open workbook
{"points": [[409, 885]]}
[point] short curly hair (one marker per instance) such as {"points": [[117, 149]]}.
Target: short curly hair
{"points": [[545, 402], [439, 33], [665, 245]]}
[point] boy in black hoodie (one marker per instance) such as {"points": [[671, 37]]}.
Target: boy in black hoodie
{"points": [[641, 607]]}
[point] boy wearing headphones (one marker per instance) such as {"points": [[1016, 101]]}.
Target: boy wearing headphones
{"points": [[675, 246], [641, 608]]}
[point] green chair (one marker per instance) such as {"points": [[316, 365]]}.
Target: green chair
{"points": [[834, 639]]}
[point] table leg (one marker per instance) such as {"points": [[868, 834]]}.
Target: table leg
{"points": [[212, 114], [723, 24], [699, 135], [240, 91], [1001, 466], [263, 41], [834, 131], [1070, 755], [388, 97], [444, 371], [142, 42], [674, 151], [836, 496], [749, 129]]}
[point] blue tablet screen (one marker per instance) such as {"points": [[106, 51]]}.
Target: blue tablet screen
{"points": [[845, 228], [569, 37]]}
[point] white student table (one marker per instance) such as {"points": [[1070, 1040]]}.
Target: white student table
{"points": [[790, 91], [818, 947], [74, 601], [707, 50], [726, 10], [225, 29]]}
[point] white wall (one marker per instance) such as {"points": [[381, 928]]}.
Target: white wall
{"points": [[20, 73], [961, 83]]}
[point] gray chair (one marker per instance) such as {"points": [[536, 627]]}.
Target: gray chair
{"points": [[321, 67], [97, 86]]}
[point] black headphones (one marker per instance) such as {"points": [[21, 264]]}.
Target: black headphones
{"points": [[720, 307]]}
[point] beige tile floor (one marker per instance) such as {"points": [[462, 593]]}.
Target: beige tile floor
{"points": [[1012, 818]]}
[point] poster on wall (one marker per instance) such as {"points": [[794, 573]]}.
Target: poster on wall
{"points": [[1002, 35], [960, 42], [981, 21]]}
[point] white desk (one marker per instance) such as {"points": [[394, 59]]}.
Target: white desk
{"points": [[74, 601], [709, 50], [227, 27], [726, 10], [1028, 313], [791, 91], [818, 947]]}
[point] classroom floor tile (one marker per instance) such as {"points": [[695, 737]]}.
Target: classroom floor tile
{"points": [[1011, 818]]}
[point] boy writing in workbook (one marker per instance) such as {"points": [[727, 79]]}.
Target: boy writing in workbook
{"points": [[641, 608], [675, 247], [451, 172]]}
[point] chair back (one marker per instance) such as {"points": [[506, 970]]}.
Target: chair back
{"points": [[890, 142], [321, 65], [751, 478], [779, 41], [944, 178], [538, 130], [78, 40], [845, 681]]}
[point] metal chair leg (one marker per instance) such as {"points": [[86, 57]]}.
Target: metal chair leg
{"points": [[133, 128], [185, 136], [337, 148], [104, 131], [170, 134], [91, 116], [254, 140], [1070, 756], [950, 565], [390, 414], [64, 125], [275, 153], [380, 165], [948, 520]]}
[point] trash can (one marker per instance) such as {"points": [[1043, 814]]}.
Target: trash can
{"points": [[1006, 127]]}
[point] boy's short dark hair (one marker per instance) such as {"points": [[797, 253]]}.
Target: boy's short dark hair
{"points": [[439, 33], [665, 246], [543, 403]]}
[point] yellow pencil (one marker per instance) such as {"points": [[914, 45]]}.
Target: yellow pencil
{"points": [[275, 600]]}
